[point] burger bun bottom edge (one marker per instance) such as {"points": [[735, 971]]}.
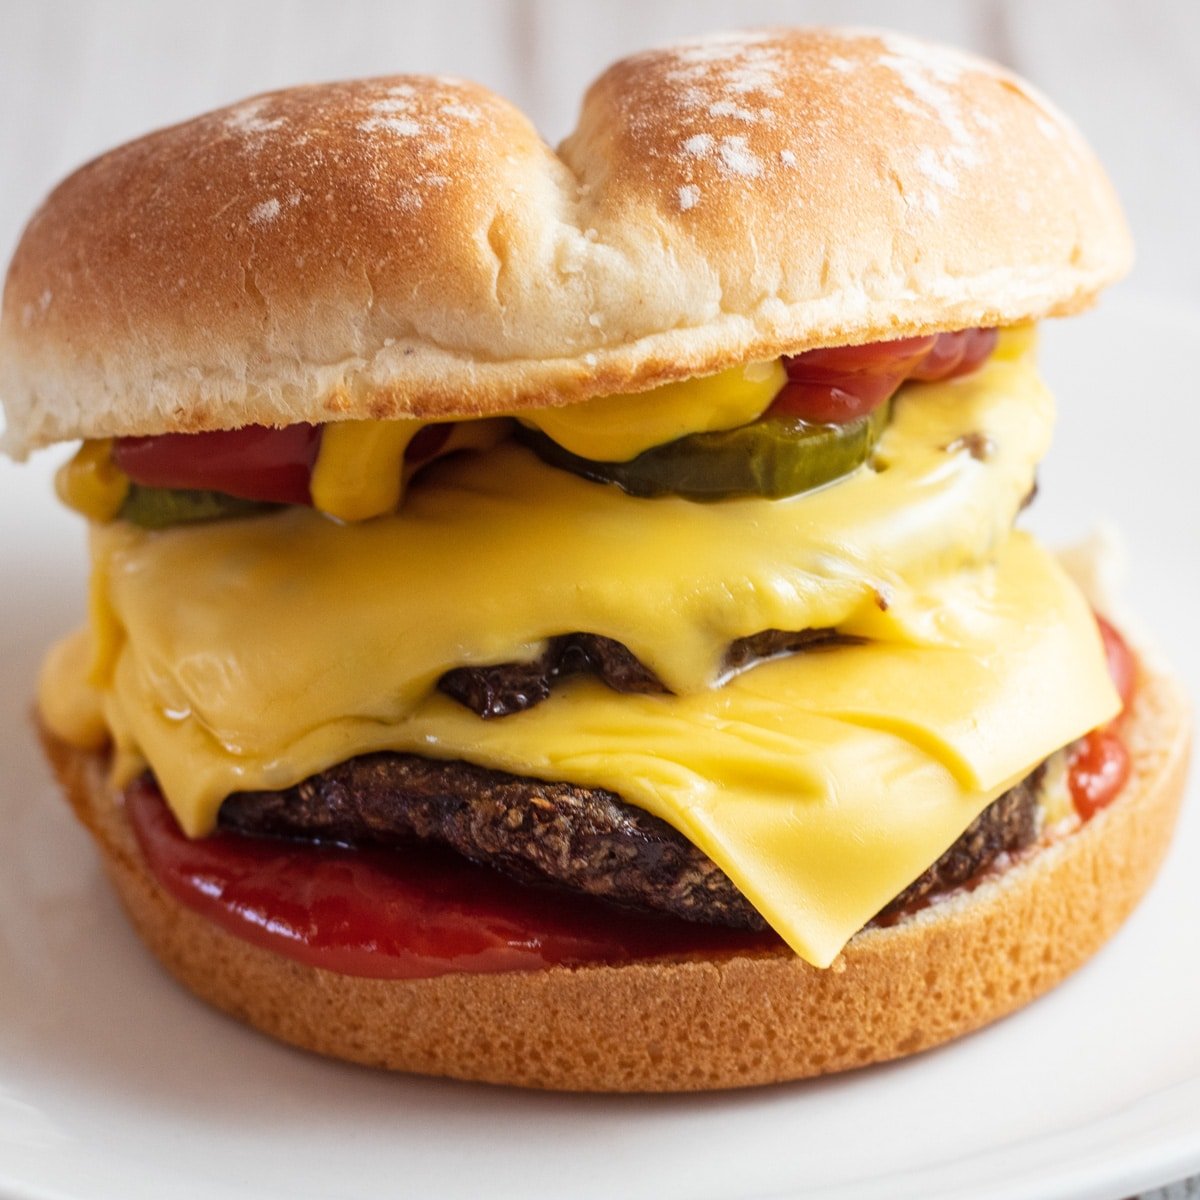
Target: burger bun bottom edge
{"points": [[662, 1025]]}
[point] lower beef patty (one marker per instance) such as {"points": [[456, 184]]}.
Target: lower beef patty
{"points": [[586, 839]]}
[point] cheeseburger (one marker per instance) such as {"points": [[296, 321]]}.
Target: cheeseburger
{"points": [[556, 617]]}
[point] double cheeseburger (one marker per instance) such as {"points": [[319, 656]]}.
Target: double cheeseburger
{"points": [[556, 617]]}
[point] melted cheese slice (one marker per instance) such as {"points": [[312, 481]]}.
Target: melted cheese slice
{"points": [[249, 654], [618, 428]]}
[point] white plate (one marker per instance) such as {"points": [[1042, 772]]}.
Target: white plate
{"points": [[115, 1084]]}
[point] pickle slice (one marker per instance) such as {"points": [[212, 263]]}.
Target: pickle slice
{"points": [[160, 508], [772, 457]]}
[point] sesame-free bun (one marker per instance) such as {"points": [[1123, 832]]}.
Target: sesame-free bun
{"points": [[666, 1025], [410, 245]]}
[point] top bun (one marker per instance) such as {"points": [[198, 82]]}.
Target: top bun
{"points": [[410, 245]]}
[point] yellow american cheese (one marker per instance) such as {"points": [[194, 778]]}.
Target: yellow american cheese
{"points": [[359, 472], [618, 428], [249, 654], [91, 483]]}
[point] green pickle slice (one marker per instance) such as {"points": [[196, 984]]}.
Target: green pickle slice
{"points": [[772, 457], [160, 508]]}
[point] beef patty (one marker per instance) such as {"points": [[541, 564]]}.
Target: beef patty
{"points": [[585, 839], [501, 689]]}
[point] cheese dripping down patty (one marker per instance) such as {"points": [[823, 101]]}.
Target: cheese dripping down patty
{"points": [[244, 655]]}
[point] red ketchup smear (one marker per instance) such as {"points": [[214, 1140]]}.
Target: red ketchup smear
{"points": [[842, 383], [1099, 763], [410, 913]]}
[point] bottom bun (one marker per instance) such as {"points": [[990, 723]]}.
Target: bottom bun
{"points": [[663, 1025]]}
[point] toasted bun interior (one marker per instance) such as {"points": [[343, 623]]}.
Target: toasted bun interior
{"points": [[409, 246], [679, 1026]]}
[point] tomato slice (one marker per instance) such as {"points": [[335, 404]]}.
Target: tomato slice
{"points": [[427, 442], [1099, 763], [1121, 664], [841, 383], [252, 463], [827, 386], [1097, 771], [955, 354]]}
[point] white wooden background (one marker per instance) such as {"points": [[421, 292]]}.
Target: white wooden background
{"points": [[78, 76]]}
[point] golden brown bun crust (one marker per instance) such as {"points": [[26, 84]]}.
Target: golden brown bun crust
{"points": [[682, 1026], [410, 246]]}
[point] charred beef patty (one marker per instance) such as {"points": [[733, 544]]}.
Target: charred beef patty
{"points": [[505, 688], [1008, 824], [586, 839]]}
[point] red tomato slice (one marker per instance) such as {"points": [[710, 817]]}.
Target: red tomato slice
{"points": [[841, 383], [955, 354], [1099, 764], [827, 386], [1121, 664], [1097, 771], [252, 463], [876, 358], [427, 442]]}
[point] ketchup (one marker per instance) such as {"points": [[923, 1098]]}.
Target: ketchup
{"points": [[410, 913], [1099, 763]]}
